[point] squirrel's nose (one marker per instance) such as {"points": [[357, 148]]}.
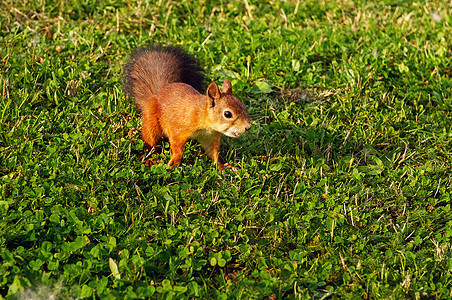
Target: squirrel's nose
{"points": [[248, 127]]}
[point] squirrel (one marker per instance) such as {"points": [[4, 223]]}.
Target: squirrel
{"points": [[166, 84]]}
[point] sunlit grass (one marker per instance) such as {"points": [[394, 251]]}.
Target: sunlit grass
{"points": [[343, 183]]}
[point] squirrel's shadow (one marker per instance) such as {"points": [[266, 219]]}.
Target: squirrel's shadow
{"points": [[289, 125]]}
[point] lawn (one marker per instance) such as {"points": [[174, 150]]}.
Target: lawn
{"points": [[343, 184]]}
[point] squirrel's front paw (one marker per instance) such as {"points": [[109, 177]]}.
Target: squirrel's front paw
{"points": [[227, 166]]}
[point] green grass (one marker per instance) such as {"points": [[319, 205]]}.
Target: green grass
{"points": [[343, 186]]}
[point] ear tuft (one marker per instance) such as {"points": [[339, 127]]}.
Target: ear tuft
{"points": [[227, 87], [213, 93]]}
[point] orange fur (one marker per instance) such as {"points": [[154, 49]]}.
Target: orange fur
{"points": [[161, 81]]}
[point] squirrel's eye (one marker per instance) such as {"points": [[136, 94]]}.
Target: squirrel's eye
{"points": [[228, 114]]}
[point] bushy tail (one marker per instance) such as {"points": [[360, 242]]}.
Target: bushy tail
{"points": [[151, 68]]}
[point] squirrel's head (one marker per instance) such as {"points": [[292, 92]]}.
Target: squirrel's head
{"points": [[228, 115]]}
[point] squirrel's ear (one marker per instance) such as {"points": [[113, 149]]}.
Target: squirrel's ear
{"points": [[213, 93], [227, 87]]}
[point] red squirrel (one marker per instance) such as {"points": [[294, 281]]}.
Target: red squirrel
{"points": [[165, 83]]}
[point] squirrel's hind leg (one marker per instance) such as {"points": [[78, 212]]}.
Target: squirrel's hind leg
{"points": [[151, 134], [177, 145]]}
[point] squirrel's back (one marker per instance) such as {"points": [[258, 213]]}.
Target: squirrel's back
{"points": [[151, 68]]}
